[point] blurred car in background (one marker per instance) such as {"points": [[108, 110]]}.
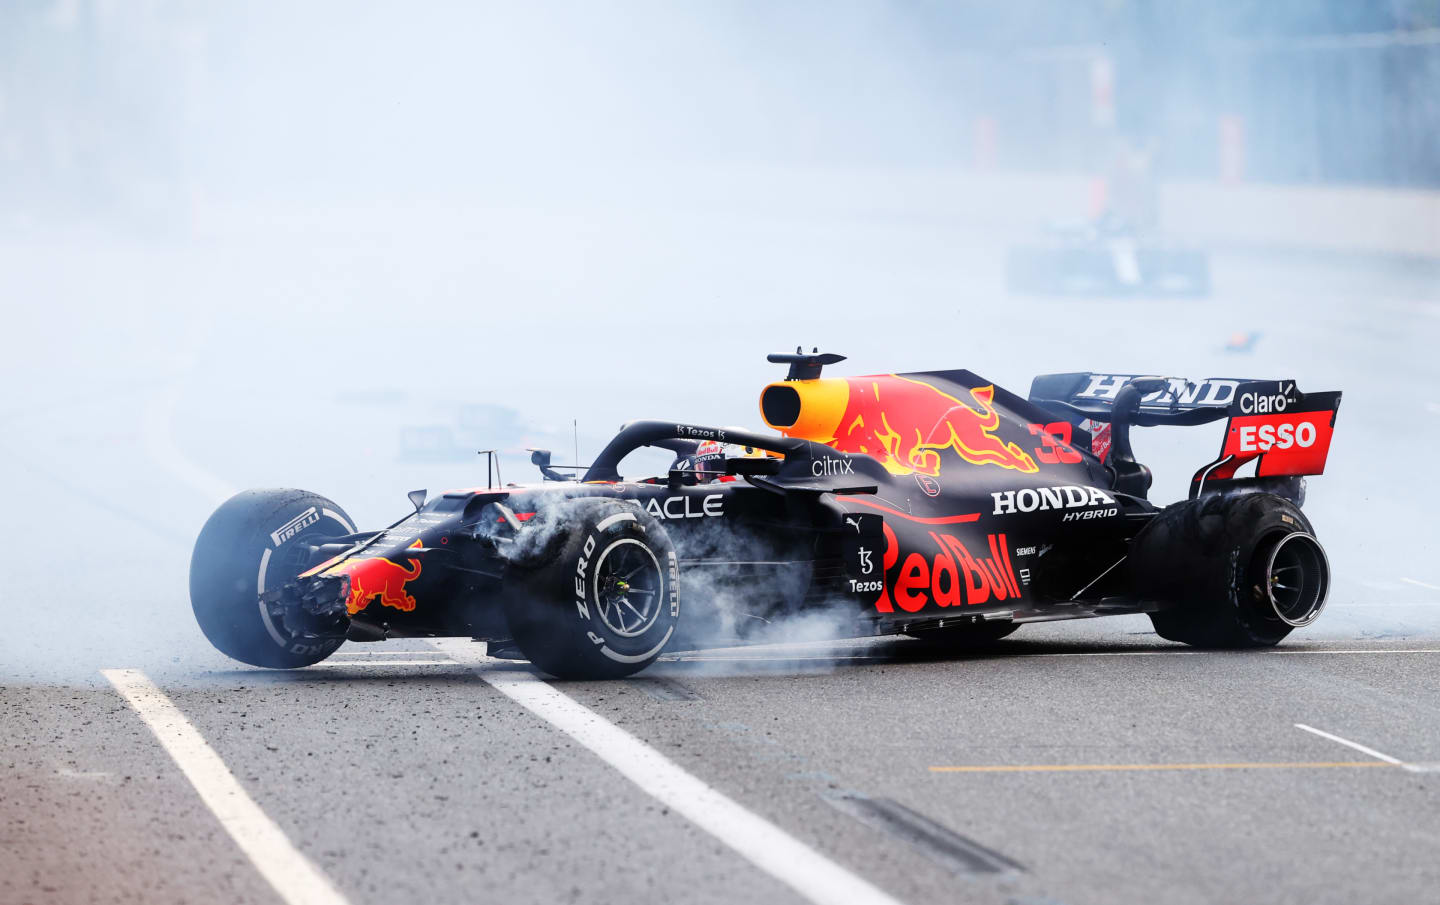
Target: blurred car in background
{"points": [[1107, 257]]}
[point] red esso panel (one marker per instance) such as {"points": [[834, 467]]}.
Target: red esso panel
{"points": [[1291, 444]]}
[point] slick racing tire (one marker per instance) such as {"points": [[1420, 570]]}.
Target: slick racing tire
{"points": [[256, 542], [1234, 570], [608, 601]]}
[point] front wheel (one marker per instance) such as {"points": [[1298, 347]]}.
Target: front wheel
{"points": [[608, 600], [256, 542]]}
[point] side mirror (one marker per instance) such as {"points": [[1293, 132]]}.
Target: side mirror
{"points": [[755, 466], [416, 498], [541, 458]]}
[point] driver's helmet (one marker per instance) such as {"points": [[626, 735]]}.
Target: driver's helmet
{"points": [[707, 462]]}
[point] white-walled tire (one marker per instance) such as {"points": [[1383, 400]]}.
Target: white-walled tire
{"points": [[606, 603], [252, 544]]}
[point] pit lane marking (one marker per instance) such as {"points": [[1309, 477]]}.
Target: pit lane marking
{"points": [[1098, 768], [288, 871], [805, 870]]}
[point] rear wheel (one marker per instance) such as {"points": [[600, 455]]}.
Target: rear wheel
{"points": [[255, 542], [1234, 570], [608, 600]]}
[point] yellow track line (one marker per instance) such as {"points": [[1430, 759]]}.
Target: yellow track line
{"points": [[1075, 768]]}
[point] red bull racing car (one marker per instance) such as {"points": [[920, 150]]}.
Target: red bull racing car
{"points": [[932, 503]]}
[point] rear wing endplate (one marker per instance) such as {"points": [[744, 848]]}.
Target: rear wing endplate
{"points": [[1283, 431], [1271, 423]]}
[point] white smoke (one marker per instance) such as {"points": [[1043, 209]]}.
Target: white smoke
{"points": [[241, 214]]}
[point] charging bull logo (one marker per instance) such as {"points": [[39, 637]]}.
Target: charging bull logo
{"points": [[906, 424], [377, 577]]}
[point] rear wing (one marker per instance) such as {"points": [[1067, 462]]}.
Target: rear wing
{"points": [[1092, 396], [1271, 423]]}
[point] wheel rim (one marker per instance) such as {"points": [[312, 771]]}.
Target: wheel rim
{"points": [[293, 559], [1297, 579], [627, 588]]}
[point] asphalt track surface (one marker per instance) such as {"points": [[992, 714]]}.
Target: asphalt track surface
{"points": [[1086, 762]]}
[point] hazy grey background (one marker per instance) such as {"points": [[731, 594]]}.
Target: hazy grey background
{"points": [[339, 246]]}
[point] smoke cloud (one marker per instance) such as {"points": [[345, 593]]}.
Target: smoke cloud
{"points": [[264, 245]]}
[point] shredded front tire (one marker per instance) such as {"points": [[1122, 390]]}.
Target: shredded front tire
{"points": [[254, 543]]}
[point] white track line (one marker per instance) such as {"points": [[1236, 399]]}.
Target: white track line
{"points": [[785, 658], [1117, 653], [293, 877], [160, 444], [767, 846], [376, 664], [386, 653], [1265, 653], [157, 420], [777, 658], [1406, 650], [1421, 584], [1397, 605], [1375, 585], [1349, 744]]}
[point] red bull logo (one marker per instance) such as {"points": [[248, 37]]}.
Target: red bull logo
{"points": [[948, 575], [377, 577], [904, 423]]}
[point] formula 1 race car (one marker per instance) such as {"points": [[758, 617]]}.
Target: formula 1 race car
{"points": [[1104, 258], [934, 504]]}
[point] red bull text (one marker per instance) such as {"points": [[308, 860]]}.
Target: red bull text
{"points": [[947, 575]]}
